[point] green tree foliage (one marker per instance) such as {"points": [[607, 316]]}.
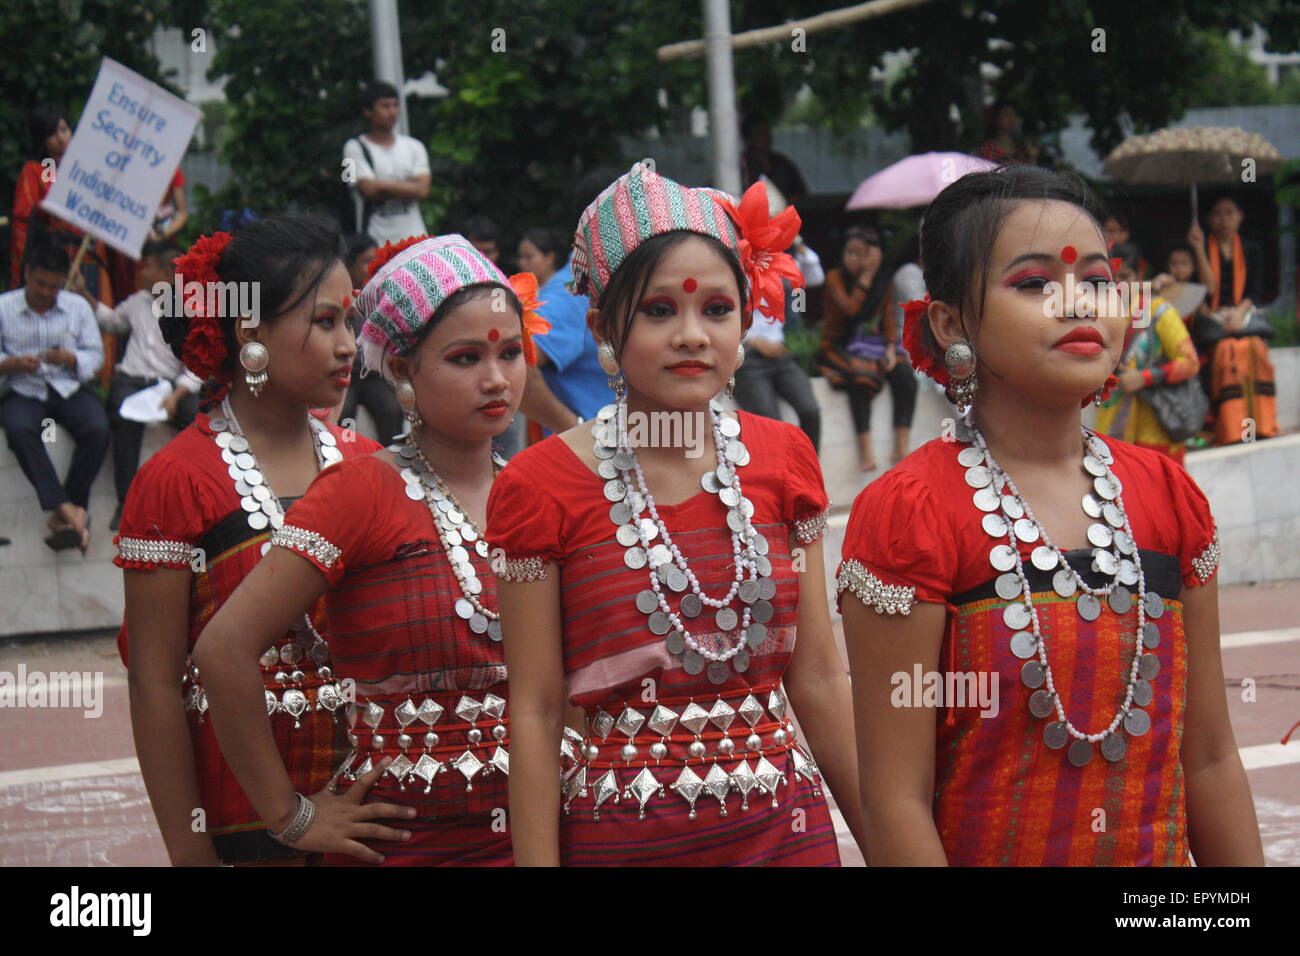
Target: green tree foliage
{"points": [[50, 51]]}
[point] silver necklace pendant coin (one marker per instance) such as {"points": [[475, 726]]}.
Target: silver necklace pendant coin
{"points": [[1124, 542], [1063, 583], [494, 630], [986, 499], [615, 490], [1092, 505], [607, 470], [970, 456], [1113, 747], [1150, 635], [635, 558], [1120, 600], [995, 526], [729, 427], [1093, 466], [1016, 616], [677, 581], [1155, 605], [1089, 607], [1080, 753], [621, 513], [692, 662], [1012, 508], [647, 602], [748, 591], [1026, 530], [1043, 558], [740, 663], [764, 567], [756, 635], [718, 673], [660, 623], [761, 611], [1137, 722], [1032, 674], [978, 476], [478, 622], [1114, 517], [1148, 666], [1041, 703], [1104, 488], [1003, 557], [1055, 735], [1099, 536], [1105, 562], [766, 588], [1143, 692], [691, 605], [675, 643], [726, 619], [1007, 586], [464, 609], [1024, 645], [760, 544], [627, 535]]}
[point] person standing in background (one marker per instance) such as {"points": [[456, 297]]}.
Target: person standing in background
{"points": [[391, 170]]}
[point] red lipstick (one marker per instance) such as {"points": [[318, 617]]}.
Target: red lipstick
{"points": [[1082, 340]]}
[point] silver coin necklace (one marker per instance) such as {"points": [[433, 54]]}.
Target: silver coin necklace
{"points": [[457, 533], [263, 509], [1115, 555], [738, 630]]}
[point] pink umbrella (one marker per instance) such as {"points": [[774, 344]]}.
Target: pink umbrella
{"points": [[915, 181]]}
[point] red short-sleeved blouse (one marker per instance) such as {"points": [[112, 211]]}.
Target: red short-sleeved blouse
{"points": [[548, 505], [1001, 795]]}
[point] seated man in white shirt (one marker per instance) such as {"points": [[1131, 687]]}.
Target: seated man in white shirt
{"points": [[49, 346], [390, 171], [148, 361]]}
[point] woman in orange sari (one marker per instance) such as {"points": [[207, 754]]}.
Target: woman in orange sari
{"points": [[1243, 396]]}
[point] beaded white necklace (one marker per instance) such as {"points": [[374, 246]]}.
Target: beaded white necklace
{"points": [[751, 581], [1011, 516], [456, 532]]}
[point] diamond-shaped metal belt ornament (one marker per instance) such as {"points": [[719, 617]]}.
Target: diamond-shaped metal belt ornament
{"points": [[663, 720], [689, 786], [718, 783], [468, 709], [374, 715], [605, 788], [751, 711], [429, 712], [805, 768], [468, 765], [426, 768], [345, 766], [566, 749], [743, 779], [776, 703], [405, 713], [577, 785], [602, 724], [494, 706], [722, 714], [630, 721], [694, 717], [399, 768], [769, 778], [501, 760], [365, 768], [643, 788]]}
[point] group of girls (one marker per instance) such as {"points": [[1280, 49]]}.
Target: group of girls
{"points": [[380, 652]]}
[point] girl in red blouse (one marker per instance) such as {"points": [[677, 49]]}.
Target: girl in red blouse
{"points": [[392, 540], [199, 513], [660, 591], [1051, 594]]}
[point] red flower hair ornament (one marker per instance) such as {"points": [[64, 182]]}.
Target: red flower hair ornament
{"points": [[525, 286], [763, 241], [914, 313], [204, 350]]}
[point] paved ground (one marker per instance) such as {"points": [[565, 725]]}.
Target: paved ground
{"points": [[71, 793]]}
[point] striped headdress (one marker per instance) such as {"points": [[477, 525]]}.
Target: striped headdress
{"points": [[638, 205], [402, 296]]}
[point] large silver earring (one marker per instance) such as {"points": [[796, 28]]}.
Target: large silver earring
{"points": [[960, 360], [740, 356], [731, 387], [608, 361], [255, 358], [405, 393]]}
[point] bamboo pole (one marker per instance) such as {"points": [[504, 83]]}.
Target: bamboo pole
{"points": [[692, 49]]}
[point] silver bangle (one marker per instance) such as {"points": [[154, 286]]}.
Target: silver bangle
{"points": [[298, 827]]}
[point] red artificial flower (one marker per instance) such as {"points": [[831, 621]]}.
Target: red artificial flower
{"points": [[1112, 383], [204, 352], [922, 360], [390, 249], [525, 286], [763, 241]]}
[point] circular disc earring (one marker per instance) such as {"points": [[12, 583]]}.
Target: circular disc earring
{"points": [[960, 361], [254, 357], [740, 355], [405, 394], [608, 361]]}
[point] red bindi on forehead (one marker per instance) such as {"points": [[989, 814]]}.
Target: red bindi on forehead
{"points": [[690, 285], [493, 335], [1069, 254], [347, 302]]}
